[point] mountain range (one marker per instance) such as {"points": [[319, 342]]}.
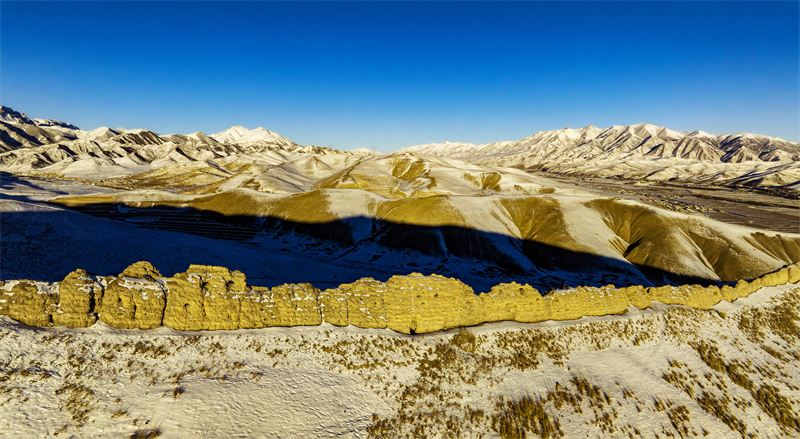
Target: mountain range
{"points": [[592, 143], [641, 152], [46, 146], [636, 152]]}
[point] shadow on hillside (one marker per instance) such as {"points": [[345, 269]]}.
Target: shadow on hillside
{"points": [[10, 182], [272, 251], [6, 138]]}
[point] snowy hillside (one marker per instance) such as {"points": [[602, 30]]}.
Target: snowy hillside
{"points": [[641, 152], [53, 147], [662, 372], [476, 222]]}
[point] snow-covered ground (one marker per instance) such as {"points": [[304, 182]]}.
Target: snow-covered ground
{"points": [[329, 219], [665, 371]]}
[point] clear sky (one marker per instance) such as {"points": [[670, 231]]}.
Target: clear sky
{"points": [[386, 75]]}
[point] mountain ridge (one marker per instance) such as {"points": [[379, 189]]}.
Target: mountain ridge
{"points": [[54, 147], [625, 137], [641, 152]]}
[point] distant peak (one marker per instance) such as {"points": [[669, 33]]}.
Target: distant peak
{"points": [[240, 134], [54, 124], [261, 130], [699, 134], [233, 129], [7, 114], [102, 133]]}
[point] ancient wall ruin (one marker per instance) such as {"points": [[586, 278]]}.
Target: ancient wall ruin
{"points": [[207, 298]]}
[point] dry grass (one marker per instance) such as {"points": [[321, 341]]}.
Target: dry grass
{"points": [[559, 397], [767, 397], [465, 340], [777, 406], [514, 418], [782, 319], [147, 434], [718, 407], [432, 405], [78, 402], [679, 418]]}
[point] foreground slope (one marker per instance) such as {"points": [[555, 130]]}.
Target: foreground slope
{"points": [[663, 371]]}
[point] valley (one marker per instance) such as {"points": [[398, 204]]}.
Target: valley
{"points": [[758, 207]]}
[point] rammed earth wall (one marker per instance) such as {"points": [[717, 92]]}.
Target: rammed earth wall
{"points": [[206, 298]]}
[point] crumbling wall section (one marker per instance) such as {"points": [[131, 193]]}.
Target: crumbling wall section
{"points": [[210, 298]]}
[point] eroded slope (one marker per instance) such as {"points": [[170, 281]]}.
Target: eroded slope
{"points": [[522, 233]]}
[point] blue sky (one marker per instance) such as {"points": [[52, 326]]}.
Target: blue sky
{"points": [[386, 75]]}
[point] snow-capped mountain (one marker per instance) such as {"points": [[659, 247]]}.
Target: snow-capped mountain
{"points": [[58, 147], [9, 115], [640, 152], [637, 152], [50, 123], [242, 136], [99, 134], [592, 143], [456, 149]]}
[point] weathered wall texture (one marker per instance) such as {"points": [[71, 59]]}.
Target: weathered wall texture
{"points": [[206, 298]]}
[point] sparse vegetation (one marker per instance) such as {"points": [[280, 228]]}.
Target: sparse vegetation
{"points": [[679, 417], [77, 400], [146, 434], [514, 418], [178, 391], [782, 319], [777, 406], [465, 340], [448, 386], [719, 408]]}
